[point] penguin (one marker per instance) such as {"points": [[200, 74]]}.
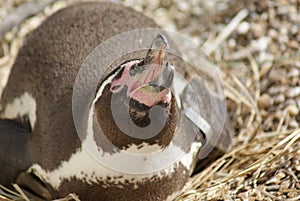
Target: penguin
{"points": [[41, 150]]}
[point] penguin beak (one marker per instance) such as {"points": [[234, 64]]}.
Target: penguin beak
{"points": [[157, 71], [160, 73], [157, 78], [149, 81]]}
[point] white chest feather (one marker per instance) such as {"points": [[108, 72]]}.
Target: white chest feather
{"points": [[84, 167]]}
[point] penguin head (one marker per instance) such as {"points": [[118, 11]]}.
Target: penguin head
{"points": [[147, 82], [138, 94]]}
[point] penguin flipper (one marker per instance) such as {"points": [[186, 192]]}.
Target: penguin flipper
{"points": [[15, 159], [33, 187], [14, 156]]}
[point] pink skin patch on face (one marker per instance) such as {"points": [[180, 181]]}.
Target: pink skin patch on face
{"points": [[154, 69], [149, 95], [118, 84], [136, 83]]}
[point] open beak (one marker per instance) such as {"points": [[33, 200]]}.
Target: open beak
{"points": [[156, 53], [156, 69], [157, 78], [149, 81]]}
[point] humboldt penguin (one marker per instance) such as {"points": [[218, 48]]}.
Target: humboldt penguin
{"points": [[41, 149]]}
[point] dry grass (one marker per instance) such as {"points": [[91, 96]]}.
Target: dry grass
{"points": [[260, 60]]}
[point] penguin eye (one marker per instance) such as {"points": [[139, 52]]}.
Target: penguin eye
{"points": [[114, 88], [141, 63], [133, 70], [137, 68]]}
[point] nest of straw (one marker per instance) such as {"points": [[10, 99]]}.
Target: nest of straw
{"points": [[256, 44]]}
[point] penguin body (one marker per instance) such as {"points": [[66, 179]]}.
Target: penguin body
{"points": [[37, 112]]}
